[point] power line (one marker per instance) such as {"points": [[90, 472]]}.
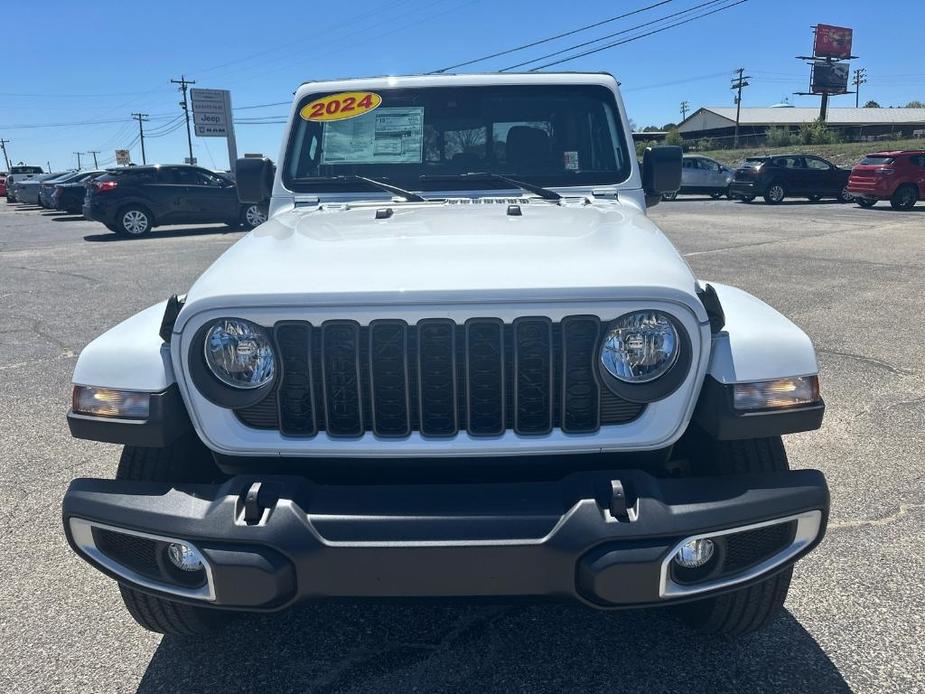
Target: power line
{"points": [[141, 118], [184, 83], [738, 84], [553, 38], [275, 103], [5, 156], [94, 153], [860, 77], [622, 32], [636, 38]]}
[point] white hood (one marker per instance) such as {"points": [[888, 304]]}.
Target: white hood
{"points": [[447, 253]]}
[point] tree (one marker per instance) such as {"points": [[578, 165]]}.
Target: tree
{"points": [[915, 104], [669, 126], [651, 129], [871, 104], [673, 137]]}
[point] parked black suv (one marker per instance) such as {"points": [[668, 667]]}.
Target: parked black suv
{"points": [[133, 200], [790, 176]]}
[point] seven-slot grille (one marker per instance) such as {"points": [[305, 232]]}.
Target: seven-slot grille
{"points": [[438, 378]]}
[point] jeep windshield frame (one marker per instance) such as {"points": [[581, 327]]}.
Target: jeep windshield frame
{"points": [[550, 136]]}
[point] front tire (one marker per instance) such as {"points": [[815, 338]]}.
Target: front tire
{"points": [[185, 460], [670, 196], [716, 196], [904, 198], [752, 608], [814, 198], [845, 196], [866, 203], [133, 221], [253, 216], [775, 193]]}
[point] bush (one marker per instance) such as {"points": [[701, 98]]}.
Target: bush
{"points": [[673, 138], [780, 136], [817, 133]]}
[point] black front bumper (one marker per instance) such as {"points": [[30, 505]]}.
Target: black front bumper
{"points": [[747, 189], [557, 539]]}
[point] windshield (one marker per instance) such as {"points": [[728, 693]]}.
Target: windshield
{"points": [[427, 138]]}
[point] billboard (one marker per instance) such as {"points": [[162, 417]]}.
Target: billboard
{"points": [[829, 78], [832, 42], [123, 158]]}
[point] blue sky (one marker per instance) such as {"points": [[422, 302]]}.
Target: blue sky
{"points": [[72, 65]]}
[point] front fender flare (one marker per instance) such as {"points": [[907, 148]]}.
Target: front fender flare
{"points": [[757, 343], [130, 356]]}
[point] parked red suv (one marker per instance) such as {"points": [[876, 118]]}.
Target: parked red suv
{"points": [[895, 176]]}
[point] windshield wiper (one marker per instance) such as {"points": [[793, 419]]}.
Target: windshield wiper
{"points": [[544, 193], [406, 194]]}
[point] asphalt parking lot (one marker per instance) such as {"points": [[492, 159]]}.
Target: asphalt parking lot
{"points": [[854, 279]]}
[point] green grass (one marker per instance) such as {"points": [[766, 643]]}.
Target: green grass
{"points": [[846, 154]]}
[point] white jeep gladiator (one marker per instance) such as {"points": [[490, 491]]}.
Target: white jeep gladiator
{"points": [[458, 360]]}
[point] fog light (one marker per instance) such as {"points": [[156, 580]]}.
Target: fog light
{"points": [[184, 557], [109, 402], [695, 553]]}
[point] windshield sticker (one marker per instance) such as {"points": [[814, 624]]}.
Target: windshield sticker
{"points": [[570, 160], [340, 106], [392, 135]]}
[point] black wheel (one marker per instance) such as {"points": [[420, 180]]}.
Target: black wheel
{"points": [[253, 215], [716, 196], [186, 460], [747, 609], [865, 202], [670, 196], [775, 193], [133, 221], [814, 198], [845, 196], [904, 198], [747, 198]]}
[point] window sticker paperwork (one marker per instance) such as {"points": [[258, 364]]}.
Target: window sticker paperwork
{"points": [[392, 135]]}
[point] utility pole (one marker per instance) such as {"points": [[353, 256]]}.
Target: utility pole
{"points": [[684, 109], [860, 77], [5, 156], [141, 118], [94, 153], [738, 84], [184, 83], [78, 159]]}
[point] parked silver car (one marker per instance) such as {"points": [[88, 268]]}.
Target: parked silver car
{"points": [[703, 175], [28, 191]]}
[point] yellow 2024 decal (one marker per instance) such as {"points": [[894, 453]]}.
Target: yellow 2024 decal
{"points": [[340, 106]]}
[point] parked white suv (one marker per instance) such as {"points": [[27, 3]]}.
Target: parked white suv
{"points": [[457, 360]]}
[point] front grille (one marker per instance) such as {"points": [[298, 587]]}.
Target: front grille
{"points": [[438, 378]]}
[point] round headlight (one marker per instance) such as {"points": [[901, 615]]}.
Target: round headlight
{"points": [[239, 353], [640, 347]]}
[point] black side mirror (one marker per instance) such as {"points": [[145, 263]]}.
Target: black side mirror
{"points": [[661, 172], [254, 179]]}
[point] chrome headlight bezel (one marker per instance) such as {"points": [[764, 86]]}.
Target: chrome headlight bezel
{"points": [[218, 390], [659, 386]]}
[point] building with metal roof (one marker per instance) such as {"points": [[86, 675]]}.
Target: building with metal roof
{"points": [[854, 123]]}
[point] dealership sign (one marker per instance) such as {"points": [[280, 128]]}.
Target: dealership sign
{"points": [[211, 112], [832, 42]]}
